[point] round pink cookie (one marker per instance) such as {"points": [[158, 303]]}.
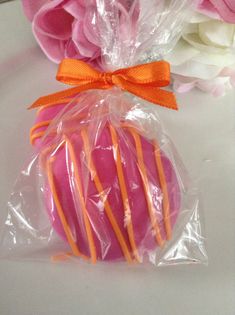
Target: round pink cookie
{"points": [[70, 164]]}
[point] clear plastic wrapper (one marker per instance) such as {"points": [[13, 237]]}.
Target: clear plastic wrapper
{"points": [[105, 182]]}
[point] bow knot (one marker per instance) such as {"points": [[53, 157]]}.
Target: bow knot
{"points": [[107, 77], [145, 81]]}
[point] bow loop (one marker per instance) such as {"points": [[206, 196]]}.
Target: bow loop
{"points": [[155, 73], [143, 81], [75, 72]]}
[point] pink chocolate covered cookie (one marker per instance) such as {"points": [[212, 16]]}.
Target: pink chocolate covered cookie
{"points": [[110, 193]]}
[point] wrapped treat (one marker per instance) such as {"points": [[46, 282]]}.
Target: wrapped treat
{"points": [[105, 182]]}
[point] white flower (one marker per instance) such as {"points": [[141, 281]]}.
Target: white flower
{"points": [[204, 56]]}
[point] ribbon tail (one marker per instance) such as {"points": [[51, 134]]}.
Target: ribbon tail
{"points": [[55, 97], [151, 94]]}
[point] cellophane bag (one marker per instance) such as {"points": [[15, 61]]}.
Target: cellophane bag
{"points": [[105, 182]]}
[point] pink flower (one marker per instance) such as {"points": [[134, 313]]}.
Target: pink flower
{"points": [[220, 9], [68, 29]]}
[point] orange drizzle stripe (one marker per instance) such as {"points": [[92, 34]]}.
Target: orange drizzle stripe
{"points": [[40, 134], [36, 136], [41, 162], [59, 208], [43, 155], [47, 123], [104, 198], [125, 199], [163, 184], [82, 201], [40, 125], [143, 172]]}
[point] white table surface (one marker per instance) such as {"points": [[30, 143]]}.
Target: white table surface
{"points": [[204, 133]]}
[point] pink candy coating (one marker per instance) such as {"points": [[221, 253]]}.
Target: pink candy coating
{"points": [[106, 243]]}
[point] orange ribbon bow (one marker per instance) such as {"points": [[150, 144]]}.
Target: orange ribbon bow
{"points": [[143, 80]]}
